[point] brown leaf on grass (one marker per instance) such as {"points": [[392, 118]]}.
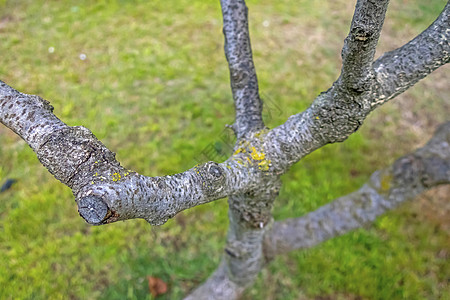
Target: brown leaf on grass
{"points": [[156, 286]]}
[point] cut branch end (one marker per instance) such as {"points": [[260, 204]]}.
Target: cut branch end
{"points": [[93, 210]]}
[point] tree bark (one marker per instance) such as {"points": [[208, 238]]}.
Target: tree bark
{"points": [[244, 82], [79, 160], [406, 178], [106, 192], [332, 117]]}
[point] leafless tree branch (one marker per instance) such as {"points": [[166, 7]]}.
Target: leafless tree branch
{"points": [[334, 116], [408, 177], [244, 83], [401, 68], [360, 45], [107, 192]]}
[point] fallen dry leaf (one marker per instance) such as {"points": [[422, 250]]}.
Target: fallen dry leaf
{"points": [[156, 286]]}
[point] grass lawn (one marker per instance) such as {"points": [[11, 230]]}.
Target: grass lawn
{"points": [[150, 79]]}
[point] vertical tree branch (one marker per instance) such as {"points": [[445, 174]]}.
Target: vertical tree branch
{"points": [[244, 83], [360, 45], [250, 217], [218, 286], [250, 212], [107, 192]]}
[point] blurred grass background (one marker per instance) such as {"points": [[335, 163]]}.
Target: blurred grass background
{"points": [[150, 79]]}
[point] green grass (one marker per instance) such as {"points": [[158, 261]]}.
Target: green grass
{"points": [[154, 88]]}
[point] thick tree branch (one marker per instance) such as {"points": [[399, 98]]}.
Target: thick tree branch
{"points": [[359, 48], [218, 286], [401, 68], [250, 217], [106, 192], [244, 83], [335, 115], [408, 177], [250, 212]]}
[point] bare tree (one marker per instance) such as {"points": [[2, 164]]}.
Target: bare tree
{"points": [[106, 192]]}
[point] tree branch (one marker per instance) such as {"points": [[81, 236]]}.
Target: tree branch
{"points": [[408, 177], [218, 286], [244, 83], [250, 217], [401, 68], [359, 48], [106, 192], [335, 114]]}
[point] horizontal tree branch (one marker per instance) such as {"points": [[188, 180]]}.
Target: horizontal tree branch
{"points": [[106, 192], [244, 82], [408, 177]]}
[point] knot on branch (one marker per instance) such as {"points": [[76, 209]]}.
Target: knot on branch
{"points": [[240, 75], [363, 33], [212, 177], [43, 103]]}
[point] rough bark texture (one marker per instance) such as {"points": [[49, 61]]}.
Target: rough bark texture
{"points": [[360, 45], [397, 70], [244, 83], [334, 115], [249, 212], [79, 160], [408, 177], [106, 192]]}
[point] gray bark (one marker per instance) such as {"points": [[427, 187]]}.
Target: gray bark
{"points": [[360, 45], [406, 178], [244, 83], [106, 192], [250, 211], [335, 115], [397, 70]]}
